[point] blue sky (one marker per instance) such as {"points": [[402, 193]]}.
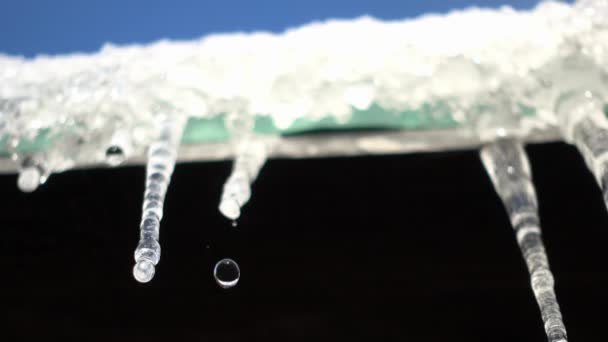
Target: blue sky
{"points": [[29, 27]]}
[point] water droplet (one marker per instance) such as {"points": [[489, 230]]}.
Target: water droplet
{"points": [[144, 271], [234, 223], [226, 273], [29, 179], [230, 208], [115, 155]]}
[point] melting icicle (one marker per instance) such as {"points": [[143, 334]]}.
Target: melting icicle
{"points": [[237, 190], [30, 176], [585, 125], [226, 273], [162, 155], [579, 109], [508, 167], [29, 179]]}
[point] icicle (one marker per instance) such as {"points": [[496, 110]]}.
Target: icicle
{"points": [[162, 155], [508, 167], [32, 173], [250, 158], [29, 178], [584, 124], [63, 152]]}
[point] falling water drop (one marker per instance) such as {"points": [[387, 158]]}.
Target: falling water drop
{"points": [[234, 223], [115, 155], [226, 273]]}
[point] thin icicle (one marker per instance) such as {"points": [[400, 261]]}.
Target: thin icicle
{"points": [[508, 167], [162, 155], [250, 158]]}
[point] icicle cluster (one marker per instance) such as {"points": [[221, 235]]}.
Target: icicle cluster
{"points": [[498, 77]]}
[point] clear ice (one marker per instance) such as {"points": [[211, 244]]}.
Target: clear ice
{"points": [[162, 156], [509, 169], [250, 158]]}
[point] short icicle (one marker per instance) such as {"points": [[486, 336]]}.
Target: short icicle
{"points": [[250, 157]]}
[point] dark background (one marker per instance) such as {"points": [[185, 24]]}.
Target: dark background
{"points": [[409, 248]]}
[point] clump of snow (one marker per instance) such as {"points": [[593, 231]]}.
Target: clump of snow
{"points": [[466, 58]]}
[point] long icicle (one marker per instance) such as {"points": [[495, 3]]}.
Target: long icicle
{"points": [[508, 167], [162, 155]]}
